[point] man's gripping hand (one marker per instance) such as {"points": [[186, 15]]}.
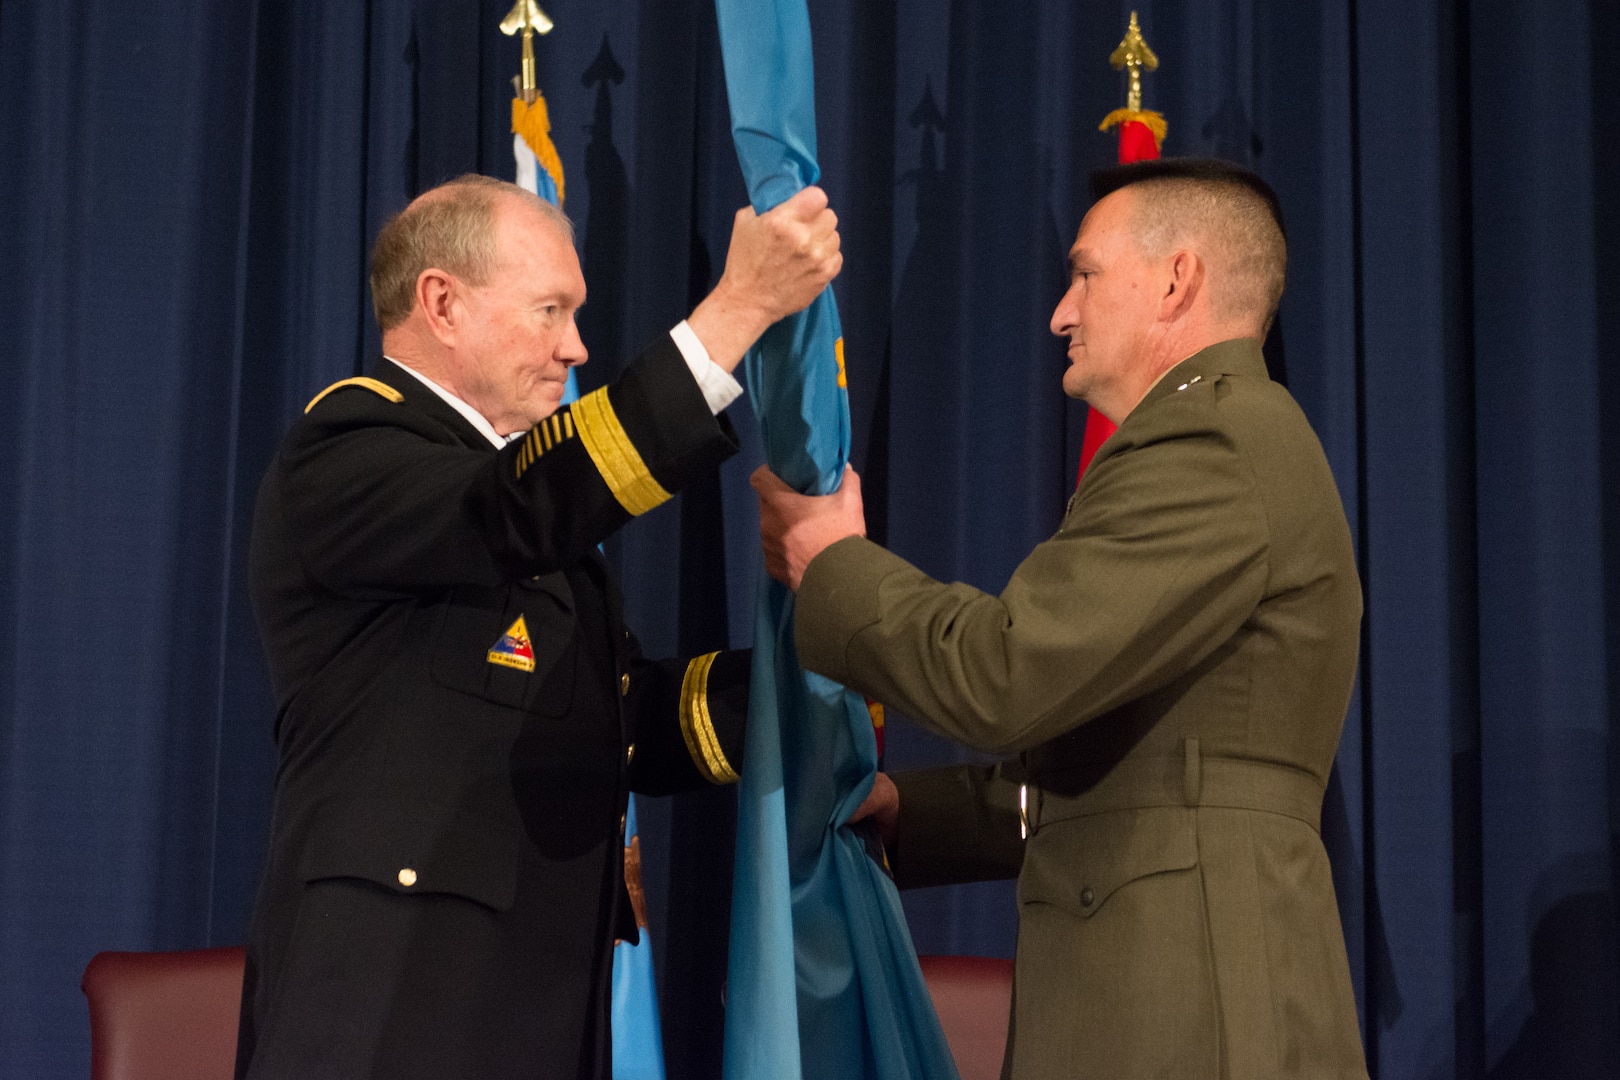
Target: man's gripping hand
{"points": [[882, 805], [795, 528], [778, 262]]}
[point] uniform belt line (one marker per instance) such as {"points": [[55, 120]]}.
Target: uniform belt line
{"points": [[1190, 780]]}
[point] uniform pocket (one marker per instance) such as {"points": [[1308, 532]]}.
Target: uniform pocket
{"points": [[413, 848], [1080, 863], [506, 644], [1115, 973]]}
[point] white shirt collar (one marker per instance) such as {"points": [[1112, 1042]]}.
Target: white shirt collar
{"points": [[472, 415]]}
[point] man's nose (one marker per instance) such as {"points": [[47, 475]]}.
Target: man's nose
{"points": [[1064, 315], [571, 349]]}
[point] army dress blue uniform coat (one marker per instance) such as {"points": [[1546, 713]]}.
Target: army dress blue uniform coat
{"points": [[461, 713]]}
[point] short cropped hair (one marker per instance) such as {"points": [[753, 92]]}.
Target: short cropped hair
{"points": [[450, 228], [1234, 212]]}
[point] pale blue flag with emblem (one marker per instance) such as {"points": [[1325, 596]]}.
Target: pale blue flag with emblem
{"points": [[638, 1041], [823, 979]]}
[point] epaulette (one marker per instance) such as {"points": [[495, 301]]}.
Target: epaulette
{"points": [[376, 387]]}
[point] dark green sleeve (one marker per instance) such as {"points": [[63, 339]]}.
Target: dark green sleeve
{"points": [[958, 823], [1162, 557]]}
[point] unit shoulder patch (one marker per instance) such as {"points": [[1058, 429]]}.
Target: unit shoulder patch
{"points": [[514, 649], [376, 386]]}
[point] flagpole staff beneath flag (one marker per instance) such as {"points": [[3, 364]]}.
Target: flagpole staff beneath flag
{"points": [[1141, 133], [638, 1045]]}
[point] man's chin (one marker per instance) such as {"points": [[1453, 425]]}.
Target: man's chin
{"points": [[545, 401], [1075, 383]]}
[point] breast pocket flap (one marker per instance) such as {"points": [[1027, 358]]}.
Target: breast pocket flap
{"points": [[505, 644]]}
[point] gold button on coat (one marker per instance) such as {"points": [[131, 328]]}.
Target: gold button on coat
{"points": [[624, 683], [630, 753], [407, 877]]}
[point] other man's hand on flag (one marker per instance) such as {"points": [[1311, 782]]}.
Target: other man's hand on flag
{"points": [[882, 805], [795, 528]]}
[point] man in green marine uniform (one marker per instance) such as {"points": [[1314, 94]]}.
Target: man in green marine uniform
{"points": [[1172, 668], [461, 710]]}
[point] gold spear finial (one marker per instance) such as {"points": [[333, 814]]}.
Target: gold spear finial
{"points": [[1133, 54], [527, 17]]}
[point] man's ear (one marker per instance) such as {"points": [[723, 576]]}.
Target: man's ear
{"points": [[437, 295], [1183, 284]]}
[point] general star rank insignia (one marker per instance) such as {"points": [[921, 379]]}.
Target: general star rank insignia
{"points": [[514, 650]]}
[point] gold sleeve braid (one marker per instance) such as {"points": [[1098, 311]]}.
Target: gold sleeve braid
{"points": [[614, 455], [697, 726], [553, 431]]}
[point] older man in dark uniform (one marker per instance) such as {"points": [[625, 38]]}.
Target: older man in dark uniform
{"points": [[461, 708], [1173, 666]]}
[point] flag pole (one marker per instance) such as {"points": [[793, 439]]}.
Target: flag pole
{"points": [[539, 166], [527, 17], [638, 1045], [1141, 132]]}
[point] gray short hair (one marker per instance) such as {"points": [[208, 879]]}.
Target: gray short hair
{"points": [[1232, 214], [451, 228]]}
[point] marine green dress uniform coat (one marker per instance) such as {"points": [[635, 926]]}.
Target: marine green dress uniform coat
{"points": [[1174, 667], [461, 713]]}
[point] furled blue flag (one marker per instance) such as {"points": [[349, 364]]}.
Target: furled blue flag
{"points": [[638, 1041], [823, 979]]}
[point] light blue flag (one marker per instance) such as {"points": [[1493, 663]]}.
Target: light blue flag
{"points": [[823, 979], [638, 1041]]}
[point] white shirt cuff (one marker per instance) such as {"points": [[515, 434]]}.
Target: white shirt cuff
{"points": [[719, 388]]}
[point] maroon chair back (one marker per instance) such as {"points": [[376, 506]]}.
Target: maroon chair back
{"points": [[973, 997], [164, 1016]]}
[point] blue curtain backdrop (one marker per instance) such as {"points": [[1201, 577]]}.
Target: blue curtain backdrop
{"points": [[187, 195]]}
